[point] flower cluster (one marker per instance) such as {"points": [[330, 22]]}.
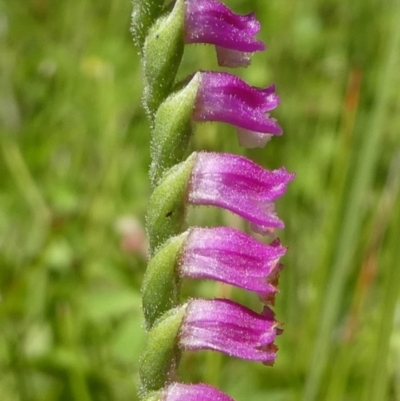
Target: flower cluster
{"points": [[222, 180]]}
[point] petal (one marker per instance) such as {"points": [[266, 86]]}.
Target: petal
{"points": [[225, 326], [212, 22], [193, 392], [232, 58], [226, 98], [249, 139], [230, 256], [239, 185]]}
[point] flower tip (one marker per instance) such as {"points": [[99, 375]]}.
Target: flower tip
{"points": [[193, 392], [272, 349], [268, 299], [265, 230], [232, 58], [250, 139]]}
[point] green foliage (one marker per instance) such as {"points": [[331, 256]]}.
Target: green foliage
{"points": [[74, 158]]}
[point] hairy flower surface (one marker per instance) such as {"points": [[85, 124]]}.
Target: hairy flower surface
{"points": [[236, 183], [225, 326], [226, 98], [230, 256], [209, 21], [193, 392]]}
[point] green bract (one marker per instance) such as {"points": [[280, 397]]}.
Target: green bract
{"points": [[160, 287], [161, 354], [173, 129], [143, 16], [167, 205], [162, 53]]}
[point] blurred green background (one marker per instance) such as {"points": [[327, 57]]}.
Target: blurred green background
{"points": [[74, 154]]}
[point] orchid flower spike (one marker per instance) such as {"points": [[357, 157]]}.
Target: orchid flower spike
{"points": [[209, 21], [223, 180]]}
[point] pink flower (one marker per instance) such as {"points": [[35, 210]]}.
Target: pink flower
{"points": [[209, 21], [225, 326], [193, 392], [226, 98], [230, 256], [239, 185]]}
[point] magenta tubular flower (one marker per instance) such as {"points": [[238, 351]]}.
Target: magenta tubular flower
{"points": [[226, 98], [193, 392], [239, 185], [209, 21], [225, 326], [230, 256]]}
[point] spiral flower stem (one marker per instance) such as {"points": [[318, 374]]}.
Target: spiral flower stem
{"points": [[204, 178]]}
